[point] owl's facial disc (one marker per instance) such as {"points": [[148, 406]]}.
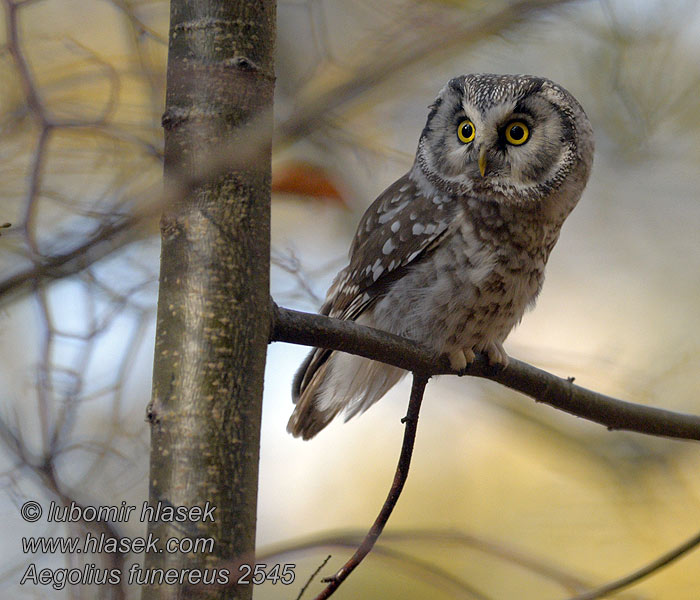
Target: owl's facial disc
{"points": [[501, 145], [506, 135]]}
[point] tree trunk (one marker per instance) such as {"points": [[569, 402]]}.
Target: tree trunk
{"points": [[213, 307]]}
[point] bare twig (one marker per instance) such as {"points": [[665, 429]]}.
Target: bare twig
{"points": [[568, 580], [29, 88], [409, 437], [385, 64], [46, 473], [415, 567], [316, 330], [659, 563], [310, 115], [104, 240], [312, 577], [290, 263]]}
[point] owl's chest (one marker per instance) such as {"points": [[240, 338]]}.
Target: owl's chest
{"points": [[464, 292], [498, 278], [481, 285], [501, 258]]}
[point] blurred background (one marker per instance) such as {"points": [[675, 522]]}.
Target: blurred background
{"points": [[506, 499]]}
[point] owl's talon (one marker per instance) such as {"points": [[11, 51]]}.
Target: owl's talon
{"points": [[497, 354], [459, 359]]}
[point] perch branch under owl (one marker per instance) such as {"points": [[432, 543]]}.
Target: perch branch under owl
{"points": [[316, 330]]}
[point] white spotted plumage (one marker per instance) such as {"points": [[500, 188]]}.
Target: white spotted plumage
{"points": [[448, 256]]}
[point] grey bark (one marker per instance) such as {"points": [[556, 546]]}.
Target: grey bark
{"points": [[213, 307]]}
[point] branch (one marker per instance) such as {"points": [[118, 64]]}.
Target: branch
{"points": [[311, 578], [444, 537], [105, 239], [316, 330], [663, 561], [390, 61], [409, 437], [243, 149]]}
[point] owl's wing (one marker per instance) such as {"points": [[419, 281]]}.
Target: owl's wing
{"points": [[400, 226]]}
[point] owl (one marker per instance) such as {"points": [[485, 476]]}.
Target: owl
{"points": [[453, 253]]}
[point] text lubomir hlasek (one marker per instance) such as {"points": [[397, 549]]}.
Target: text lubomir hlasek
{"points": [[160, 512]]}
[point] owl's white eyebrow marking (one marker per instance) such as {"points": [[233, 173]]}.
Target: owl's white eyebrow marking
{"points": [[395, 226], [418, 228], [388, 247]]}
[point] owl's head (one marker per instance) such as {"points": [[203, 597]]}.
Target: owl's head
{"points": [[516, 136]]}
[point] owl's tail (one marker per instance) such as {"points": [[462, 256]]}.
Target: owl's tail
{"points": [[328, 382]]}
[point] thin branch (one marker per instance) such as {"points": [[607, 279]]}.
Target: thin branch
{"points": [[312, 577], [44, 470], [352, 538], [14, 46], [659, 563], [385, 64], [414, 567], [409, 437], [316, 330], [105, 239], [427, 572], [253, 138]]}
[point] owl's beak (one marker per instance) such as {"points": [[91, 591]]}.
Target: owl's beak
{"points": [[482, 161]]}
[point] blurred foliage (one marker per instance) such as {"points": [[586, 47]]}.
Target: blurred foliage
{"points": [[80, 149]]}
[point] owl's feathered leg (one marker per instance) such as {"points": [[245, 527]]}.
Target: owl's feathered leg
{"points": [[341, 381]]}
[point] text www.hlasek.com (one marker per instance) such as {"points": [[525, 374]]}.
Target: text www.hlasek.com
{"points": [[92, 544]]}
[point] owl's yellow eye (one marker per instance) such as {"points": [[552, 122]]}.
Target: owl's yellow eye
{"points": [[466, 131], [517, 133]]}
